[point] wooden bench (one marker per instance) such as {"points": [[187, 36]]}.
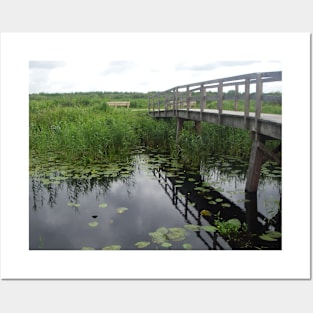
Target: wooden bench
{"points": [[119, 104]]}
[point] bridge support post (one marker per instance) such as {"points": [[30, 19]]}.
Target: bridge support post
{"points": [[255, 163], [180, 125], [198, 127]]}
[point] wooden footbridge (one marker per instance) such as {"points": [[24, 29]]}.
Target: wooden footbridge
{"points": [[179, 102]]}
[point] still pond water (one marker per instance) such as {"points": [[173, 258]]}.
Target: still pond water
{"points": [[153, 202]]}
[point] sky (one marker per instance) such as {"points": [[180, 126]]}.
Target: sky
{"points": [[142, 62], [135, 75]]}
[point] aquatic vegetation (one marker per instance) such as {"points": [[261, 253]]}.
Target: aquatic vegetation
{"points": [[270, 235], [112, 247], [209, 228], [103, 205], [229, 228], [121, 210], [192, 227], [73, 204], [93, 224], [187, 246], [205, 213], [142, 244]]}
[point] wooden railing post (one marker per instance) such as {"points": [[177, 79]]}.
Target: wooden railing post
{"points": [[153, 103], [247, 101], [236, 98], [159, 103], [188, 95], [258, 100], [220, 100], [174, 101], [149, 103], [202, 100]]}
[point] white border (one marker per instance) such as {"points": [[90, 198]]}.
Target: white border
{"points": [[17, 262]]}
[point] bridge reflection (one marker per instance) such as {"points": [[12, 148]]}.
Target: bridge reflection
{"points": [[189, 203]]}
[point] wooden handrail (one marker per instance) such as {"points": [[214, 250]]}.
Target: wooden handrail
{"points": [[183, 93]]}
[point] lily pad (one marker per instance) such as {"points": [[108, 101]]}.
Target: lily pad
{"points": [[218, 200], [209, 228], [270, 235], [88, 248], [103, 205], [226, 205], [142, 244], [158, 237], [267, 238], [112, 247], [192, 227], [205, 213], [121, 210], [166, 245], [162, 230], [273, 234], [176, 234], [187, 246], [93, 224], [73, 204]]}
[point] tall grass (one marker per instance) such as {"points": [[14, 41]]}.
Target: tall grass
{"points": [[88, 132], [94, 133]]}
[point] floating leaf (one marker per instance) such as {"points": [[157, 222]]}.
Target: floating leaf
{"points": [[142, 244], [226, 205], [73, 204], [121, 210], [191, 179], [103, 205], [192, 227], [162, 230], [267, 238], [205, 213], [93, 224], [187, 246], [200, 189], [88, 248], [209, 228], [158, 237], [166, 245], [235, 222], [176, 234], [212, 202], [218, 200], [273, 234], [112, 247]]}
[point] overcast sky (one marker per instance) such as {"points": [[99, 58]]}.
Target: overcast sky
{"points": [[139, 63]]}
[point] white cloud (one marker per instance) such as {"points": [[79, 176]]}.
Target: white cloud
{"points": [[141, 62]]}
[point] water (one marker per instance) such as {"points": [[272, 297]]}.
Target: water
{"points": [[150, 203]]}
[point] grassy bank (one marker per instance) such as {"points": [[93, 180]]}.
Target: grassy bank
{"points": [[80, 129]]}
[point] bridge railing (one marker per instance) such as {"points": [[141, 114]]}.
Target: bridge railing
{"points": [[190, 95]]}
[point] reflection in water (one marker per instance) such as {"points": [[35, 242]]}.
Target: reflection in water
{"points": [[158, 194]]}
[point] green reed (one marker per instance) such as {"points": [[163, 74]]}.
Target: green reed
{"points": [[90, 131]]}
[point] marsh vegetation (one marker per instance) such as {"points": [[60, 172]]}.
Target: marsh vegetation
{"points": [[100, 169]]}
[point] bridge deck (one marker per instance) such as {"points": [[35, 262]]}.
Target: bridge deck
{"points": [[268, 124]]}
